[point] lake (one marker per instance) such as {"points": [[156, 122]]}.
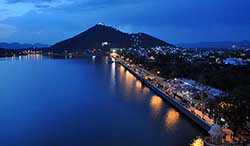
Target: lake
{"points": [[84, 102]]}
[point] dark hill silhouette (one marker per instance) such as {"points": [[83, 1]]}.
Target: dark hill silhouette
{"points": [[95, 36]]}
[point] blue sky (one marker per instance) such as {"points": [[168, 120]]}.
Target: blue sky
{"points": [[175, 21]]}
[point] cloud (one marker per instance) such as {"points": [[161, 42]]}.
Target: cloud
{"points": [[16, 8], [27, 1], [3, 10], [127, 28], [184, 13], [109, 3], [42, 6], [6, 30], [166, 19]]}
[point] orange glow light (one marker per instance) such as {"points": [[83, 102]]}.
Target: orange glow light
{"points": [[155, 104], [171, 119], [198, 142]]}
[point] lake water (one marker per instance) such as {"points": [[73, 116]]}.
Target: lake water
{"points": [[84, 102]]}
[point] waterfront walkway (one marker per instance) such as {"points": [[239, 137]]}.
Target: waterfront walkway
{"points": [[156, 85]]}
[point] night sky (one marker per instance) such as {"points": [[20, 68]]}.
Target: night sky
{"points": [[175, 21]]}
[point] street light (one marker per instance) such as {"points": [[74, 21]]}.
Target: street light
{"points": [[158, 72]]}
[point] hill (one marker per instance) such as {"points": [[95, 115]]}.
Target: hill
{"points": [[101, 35]]}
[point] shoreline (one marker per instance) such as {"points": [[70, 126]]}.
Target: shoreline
{"points": [[197, 120]]}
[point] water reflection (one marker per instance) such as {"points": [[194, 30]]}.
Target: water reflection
{"points": [[121, 68], [136, 92], [121, 73], [106, 60], [93, 59], [77, 118], [145, 89], [23, 57], [32, 57], [131, 84], [197, 142], [138, 84], [26, 57], [129, 78], [113, 70], [156, 106], [129, 81], [171, 119]]}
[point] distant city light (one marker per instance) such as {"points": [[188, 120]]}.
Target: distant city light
{"points": [[105, 43]]}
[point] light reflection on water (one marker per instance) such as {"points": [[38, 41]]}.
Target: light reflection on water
{"points": [[197, 142], [113, 72], [84, 101], [93, 59], [31, 57], [138, 84], [155, 106], [171, 118], [129, 78], [158, 109], [25, 57], [131, 84]]}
